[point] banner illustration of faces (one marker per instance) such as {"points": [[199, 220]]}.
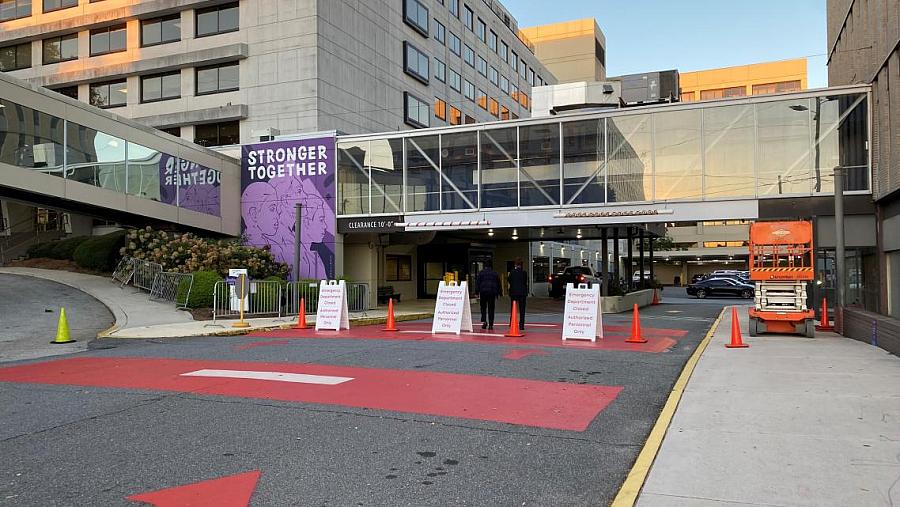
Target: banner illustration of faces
{"points": [[274, 177], [189, 185]]}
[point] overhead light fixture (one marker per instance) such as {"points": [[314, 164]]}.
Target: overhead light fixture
{"points": [[578, 236], [515, 234], [490, 233]]}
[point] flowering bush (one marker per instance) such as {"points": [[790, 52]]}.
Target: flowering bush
{"points": [[189, 253]]}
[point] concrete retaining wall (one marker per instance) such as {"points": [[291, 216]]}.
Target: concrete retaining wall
{"points": [[618, 304]]}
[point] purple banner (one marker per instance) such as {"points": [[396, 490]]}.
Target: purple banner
{"points": [[274, 177], [189, 185]]}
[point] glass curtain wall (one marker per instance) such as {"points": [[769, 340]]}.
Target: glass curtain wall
{"points": [[42, 142], [353, 178], [752, 149]]}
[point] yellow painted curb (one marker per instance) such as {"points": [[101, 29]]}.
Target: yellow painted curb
{"points": [[628, 493]]}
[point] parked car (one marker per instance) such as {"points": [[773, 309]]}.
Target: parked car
{"points": [[572, 274], [736, 276], [720, 287], [637, 275], [697, 277]]}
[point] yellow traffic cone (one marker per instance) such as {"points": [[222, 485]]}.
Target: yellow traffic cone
{"points": [[62, 329]]}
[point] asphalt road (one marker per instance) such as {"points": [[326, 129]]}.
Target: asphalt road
{"points": [[29, 314], [72, 445]]}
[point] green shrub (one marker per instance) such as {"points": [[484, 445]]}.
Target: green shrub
{"points": [[65, 249], [100, 253], [201, 295], [40, 250]]}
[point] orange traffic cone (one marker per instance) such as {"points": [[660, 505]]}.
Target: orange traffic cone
{"points": [[823, 324], [391, 323], [736, 342], [301, 317], [655, 297], [514, 331], [636, 336]]}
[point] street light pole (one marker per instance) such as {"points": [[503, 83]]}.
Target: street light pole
{"points": [[298, 223], [839, 244]]}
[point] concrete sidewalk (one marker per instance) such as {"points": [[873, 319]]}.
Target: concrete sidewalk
{"points": [[788, 421]]}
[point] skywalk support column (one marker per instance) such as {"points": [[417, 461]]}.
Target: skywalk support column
{"points": [[650, 269], [616, 270], [604, 261], [839, 273], [629, 268], [641, 256]]}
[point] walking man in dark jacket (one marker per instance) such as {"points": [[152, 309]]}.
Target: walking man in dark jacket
{"points": [[487, 286], [518, 290]]}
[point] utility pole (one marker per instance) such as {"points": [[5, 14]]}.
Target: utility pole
{"points": [[839, 246]]}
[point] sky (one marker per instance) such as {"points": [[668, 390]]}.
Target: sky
{"points": [[650, 35]]}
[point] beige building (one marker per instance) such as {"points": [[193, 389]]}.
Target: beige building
{"points": [[744, 80], [573, 51]]}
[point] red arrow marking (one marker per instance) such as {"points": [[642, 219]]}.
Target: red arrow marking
{"points": [[231, 491], [516, 354], [557, 405]]}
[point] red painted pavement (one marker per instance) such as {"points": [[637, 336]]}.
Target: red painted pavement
{"points": [[516, 354], [658, 340], [556, 405], [231, 491]]}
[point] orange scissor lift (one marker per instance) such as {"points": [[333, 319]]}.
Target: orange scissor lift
{"points": [[782, 263]]}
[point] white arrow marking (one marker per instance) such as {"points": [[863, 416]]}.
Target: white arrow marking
{"points": [[300, 378]]}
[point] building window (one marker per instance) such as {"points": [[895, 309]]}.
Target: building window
{"points": [[415, 62], [504, 85], [514, 61], [218, 19], [15, 57], [440, 109], [688, 97], [495, 77], [504, 113], [531, 77], [785, 86], [599, 53], [416, 15], [469, 56], [108, 40], [14, 9], [481, 65], [440, 33], [60, 49], [160, 30], [454, 44], [161, 87], [470, 120], [514, 92], [454, 7], [109, 94], [723, 93], [469, 90], [416, 112], [55, 5], [440, 71], [218, 79], [172, 131], [492, 41], [455, 80], [504, 51], [455, 116], [217, 134], [523, 99], [468, 18], [481, 99], [494, 108], [540, 269], [523, 69], [481, 30], [397, 268], [540, 80], [68, 91]]}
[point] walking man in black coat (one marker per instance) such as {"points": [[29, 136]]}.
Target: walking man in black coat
{"points": [[518, 290], [487, 286]]}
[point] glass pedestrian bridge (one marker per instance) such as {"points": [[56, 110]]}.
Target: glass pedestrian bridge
{"points": [[60, 152], [744, 149]]}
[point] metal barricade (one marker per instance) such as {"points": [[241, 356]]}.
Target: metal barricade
{"points": [[144, 274], [172, 287], [124, 271], [264, 298], [308, 290], [357, 297]]}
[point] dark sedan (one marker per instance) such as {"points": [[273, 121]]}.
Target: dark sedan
{"points": [[720, 287]]}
